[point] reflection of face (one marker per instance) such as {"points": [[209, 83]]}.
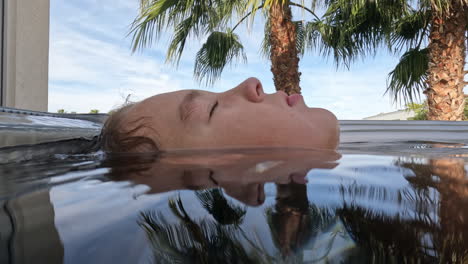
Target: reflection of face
{"points": [[242, 117], [241, 174]]}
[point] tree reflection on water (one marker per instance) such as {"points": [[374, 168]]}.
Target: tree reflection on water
{"points": [[422, 222], [437, 230], [449, 234], [224, 212], [204, 241], [294, 222]]}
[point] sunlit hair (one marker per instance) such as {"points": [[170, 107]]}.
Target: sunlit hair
{"points": [[121, 134]]}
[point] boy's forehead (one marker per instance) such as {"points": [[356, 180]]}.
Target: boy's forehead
{"points": [[161, 106], [160, 114], [159, 100], [169, 97]]}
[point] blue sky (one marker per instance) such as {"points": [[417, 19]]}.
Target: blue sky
{"points": [[91, 65]]}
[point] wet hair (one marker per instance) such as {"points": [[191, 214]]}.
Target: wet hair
{"points": [[123, 135]]}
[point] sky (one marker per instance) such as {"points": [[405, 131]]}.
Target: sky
{"points": [[91, 65]]}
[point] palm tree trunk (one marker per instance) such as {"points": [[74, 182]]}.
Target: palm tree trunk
{"points": [[447, 50], [283, 52]]}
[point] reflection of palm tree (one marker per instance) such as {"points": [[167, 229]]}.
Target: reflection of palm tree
{"points": [[423, 238], [313, 221], [383, 239], [221, 209], [204, 241], [452, 185], [289, 222], [293, 221]]}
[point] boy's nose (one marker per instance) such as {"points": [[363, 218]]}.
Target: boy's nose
{"points": [[251, 89]]}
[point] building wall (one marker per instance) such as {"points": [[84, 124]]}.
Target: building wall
{"points": [[397, 115], [26, 54]]}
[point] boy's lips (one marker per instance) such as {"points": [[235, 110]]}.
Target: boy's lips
{"points": [[293, 99]]}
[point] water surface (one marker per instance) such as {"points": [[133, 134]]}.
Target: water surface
{"points": [[391, 202]]}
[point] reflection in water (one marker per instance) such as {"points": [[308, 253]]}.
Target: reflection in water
{"points": [[289, 206], [27, 230], [243, 177], [449, 234], [294, 223], [204, 241], [427, 223], [224, 212], [422, 237], [290, 221]]}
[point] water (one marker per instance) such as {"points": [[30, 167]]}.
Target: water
{"points": [[397, 202]]}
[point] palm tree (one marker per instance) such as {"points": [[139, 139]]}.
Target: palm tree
{"points": [[359, 27], [198, 18], [447, 52], [347, 30]]}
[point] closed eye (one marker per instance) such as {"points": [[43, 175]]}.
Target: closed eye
{"points": [[213, 108]]}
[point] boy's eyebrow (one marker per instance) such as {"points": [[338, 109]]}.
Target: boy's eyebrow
{"points": [[185, 105]]}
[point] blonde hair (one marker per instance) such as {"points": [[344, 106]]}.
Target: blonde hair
{"points": [[121, 135]]}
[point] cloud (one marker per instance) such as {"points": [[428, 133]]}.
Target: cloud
{"points": [[103, 70], [96, 72], [83, 102], [91, 65], [90, 56]]}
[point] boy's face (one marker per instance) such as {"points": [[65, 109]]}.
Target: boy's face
{"points": [[241, 117]]}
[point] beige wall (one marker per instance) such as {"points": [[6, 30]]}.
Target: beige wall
{"points": [[397, 115], [26, 49]]}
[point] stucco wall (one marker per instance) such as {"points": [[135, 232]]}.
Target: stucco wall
{"points": [[26, 49], [397, 115]]}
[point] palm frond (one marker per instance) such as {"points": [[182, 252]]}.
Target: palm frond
{"points": [[150, 22], [300, 36], [266, 3], [252, 7], [177, 44], [410, 30], [229, 9], [444, 7], [220, 49], [202, 18], [438, 6], [185, 17], [266, 44], [408, 78], [353, 28], [144, 4], [332, 41], [304, 8], [250, 14]]}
